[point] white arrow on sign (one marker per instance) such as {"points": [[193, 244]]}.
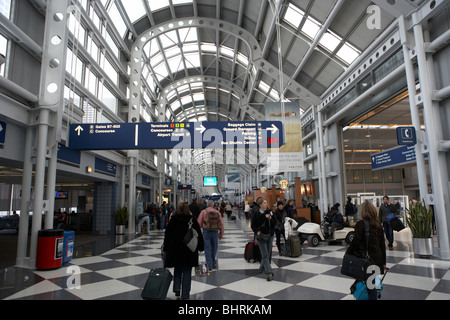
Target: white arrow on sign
{"points": [[273, 129], [79, 129], [201, 128]]}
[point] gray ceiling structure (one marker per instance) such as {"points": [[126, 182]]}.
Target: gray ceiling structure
{"points": [[234, 49]]}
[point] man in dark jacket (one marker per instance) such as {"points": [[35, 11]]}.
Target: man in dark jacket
{"points": [[384, 210], [335, 220], [263, 225]]}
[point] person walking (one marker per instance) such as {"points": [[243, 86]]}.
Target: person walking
{"points": [[210, 220], [280, 217], [384, 210], [247, 210], [376, 246], [263, 225], [178, 255]]}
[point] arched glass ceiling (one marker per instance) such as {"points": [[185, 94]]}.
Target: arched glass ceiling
{"points": [[179, 52], [315, 50]]}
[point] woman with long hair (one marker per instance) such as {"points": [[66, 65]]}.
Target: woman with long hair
{"points": [[376, 246], [178, 254]]}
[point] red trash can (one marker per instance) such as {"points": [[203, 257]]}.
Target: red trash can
{"points": [[50, 247]]}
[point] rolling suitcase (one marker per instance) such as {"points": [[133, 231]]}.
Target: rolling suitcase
{"points": [[252, 253], [293, 247], [157, 285]]}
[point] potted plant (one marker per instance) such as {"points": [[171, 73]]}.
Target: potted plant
{"points": [[121, 219], [419, 221]]}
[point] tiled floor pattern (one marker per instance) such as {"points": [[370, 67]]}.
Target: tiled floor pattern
{"points": [[120, 273]]}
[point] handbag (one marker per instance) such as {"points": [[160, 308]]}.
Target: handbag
{"points": [[354, 266], [191, 238], [263, 237]]}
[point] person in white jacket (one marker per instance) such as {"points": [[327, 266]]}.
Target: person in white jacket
{"points": [[289, 226]]}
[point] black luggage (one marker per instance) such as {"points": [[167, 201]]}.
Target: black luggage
{"points": [[397, 224], [293, 247], [157, 285], [252, 253]]}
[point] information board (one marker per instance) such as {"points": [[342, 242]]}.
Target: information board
{"points": [[176, 135]]}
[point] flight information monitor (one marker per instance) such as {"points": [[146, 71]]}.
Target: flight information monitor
{"points": [[209, 181]]}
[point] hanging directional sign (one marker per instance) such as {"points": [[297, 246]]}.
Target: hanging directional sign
{"points": [[393, 157], [176, 135]]}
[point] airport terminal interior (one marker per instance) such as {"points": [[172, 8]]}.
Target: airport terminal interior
{"points": [[113, 109]]}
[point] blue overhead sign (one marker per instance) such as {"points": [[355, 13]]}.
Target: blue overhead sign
{"points": [[176, 135], [406, 136], [393, 157]]}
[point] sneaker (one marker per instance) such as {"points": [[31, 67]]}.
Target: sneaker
{"points": [[270, 277], [177, 293]]}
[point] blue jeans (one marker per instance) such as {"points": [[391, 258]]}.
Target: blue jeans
{"points": [[266, 255], [211, 241], [389, 233], [182, 280]]}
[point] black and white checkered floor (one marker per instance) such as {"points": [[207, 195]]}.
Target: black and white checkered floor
{"points": [[120, 274]]}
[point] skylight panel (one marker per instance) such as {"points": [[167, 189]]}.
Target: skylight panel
{"points": [[274, 94], [157, 5], [188, 34], [264, 86], [192, 59], [183, 89], [135, 9], [175, 63], [242, 59], [330, 41], [198, 96], [190, 48], [169, 39], [175, 105], [293, 16], [208, 47], [175, 2], [186, 100], [348, 53], [156, 60], [226, 51], [161, 71], [311, 27], [174, 51], [171, 94], [115, 16]]}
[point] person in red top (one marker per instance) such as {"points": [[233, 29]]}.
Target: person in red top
{"points": [[210, 220]]}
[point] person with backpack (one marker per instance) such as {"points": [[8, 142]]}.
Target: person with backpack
{"points": [[375, 246], [210, 220], [350, 209]]}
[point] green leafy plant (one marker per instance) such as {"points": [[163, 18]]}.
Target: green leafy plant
{"points": [[419, 219], [121, 216]]}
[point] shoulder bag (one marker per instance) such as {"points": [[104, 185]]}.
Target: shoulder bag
{"points": [[354, 266], [191, 237]]}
